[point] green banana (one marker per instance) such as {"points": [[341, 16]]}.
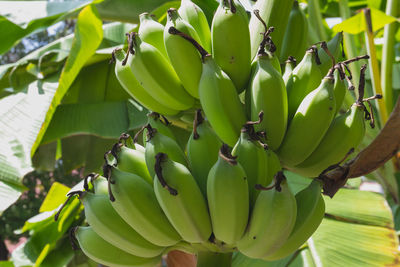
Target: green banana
{"points": [[152, 32], [105, 253], [290, 64], [193, 14], [156, 75], [131, 160], [181, 200], [106, 222], [273, 13], [184, 56], [344, 134], [334, 47], [202, 150], [133, 88], [228, 198], [220, 102], [310, 212], [305, 77], [134, 200], [230, 39], [253, 158], [156, 143], [295, 39], [268, 94], [309, 124], [271, 222]]}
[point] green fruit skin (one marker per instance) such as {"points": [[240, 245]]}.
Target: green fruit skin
{"points": [[187, 211], [103, 252], [254, 160], [310, 212], [202, 154], [137, 204], [309, 124], [152, 32], [271, 222], [268, 94], [230, 39], [228, 201], [133, 161]]}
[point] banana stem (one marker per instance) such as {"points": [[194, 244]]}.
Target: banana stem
{"points": [[392, 9], [213, 259], [374, 67]]}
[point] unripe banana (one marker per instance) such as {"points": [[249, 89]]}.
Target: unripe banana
{"points": [[309, 124], [134, 200], [271, 222], [230, 39], [152, 32], [183, 55], [181, 200], [274, 13], [106, 222], [295, 38], [133, 88], [228, 198], [202, 150], [334, 47], [131, 160], [268, 94], [343, 136], [220, 102], [156, 143], [305, 77], [254, 160], [193, 14], [289, 67], [103, 252], [310, 212], [156, 75]]}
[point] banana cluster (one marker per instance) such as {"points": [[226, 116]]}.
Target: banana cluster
{"points": [[158, 198], [252, 118]]}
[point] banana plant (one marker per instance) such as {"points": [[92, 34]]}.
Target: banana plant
{"points": [[64, 101]]}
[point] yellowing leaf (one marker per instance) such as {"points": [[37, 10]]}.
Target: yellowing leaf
{"points": [[356, 24]]}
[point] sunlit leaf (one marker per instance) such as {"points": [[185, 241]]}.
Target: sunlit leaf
{"points": [[54, 197], [356, 23]]}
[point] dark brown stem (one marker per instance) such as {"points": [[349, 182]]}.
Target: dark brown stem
{"points": [[69, 196], [257, 14], [202, 51], [351, 60], [361, 85], [292, 61], [232, 6], [226, 155], [136, 137], [113, 59], [72, 238], [114, 151], [198, 119], [367, 14], [92, 176], [130, 47], [279, 178], [260, 118], [158, 169], [166, 121], [109, 182], [315, 51]]}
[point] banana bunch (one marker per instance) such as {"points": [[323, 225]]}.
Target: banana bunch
{"points": [[253, 119]]}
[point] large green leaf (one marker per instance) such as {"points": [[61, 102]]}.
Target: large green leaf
{"points": [[26, 116], [88, 36], [20, 18], [357, 231], [21, 117]]}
